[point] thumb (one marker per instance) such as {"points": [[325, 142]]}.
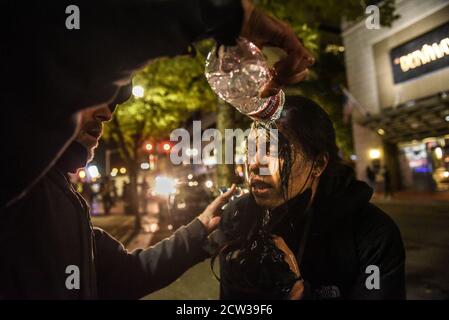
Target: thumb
{"points": [[214, 222]]}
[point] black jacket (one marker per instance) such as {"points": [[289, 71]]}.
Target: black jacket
{"points": [[50, 72], [346, 235], [50, 229]]}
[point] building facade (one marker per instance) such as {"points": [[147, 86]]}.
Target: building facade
{"points": [[400, 79]]}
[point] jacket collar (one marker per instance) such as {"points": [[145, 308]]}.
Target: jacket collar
{"points": [[328, 211]]}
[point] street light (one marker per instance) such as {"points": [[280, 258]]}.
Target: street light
{"points": [[374, 154], [93, 171], [166, 146], [209, 184], [145, 166], [82, 174], [149, 146], [164, 186], [439, 153], [138, 91], [114, 172]]}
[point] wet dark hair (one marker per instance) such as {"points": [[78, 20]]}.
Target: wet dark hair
{"points": [[303, 124], [255, 265]]}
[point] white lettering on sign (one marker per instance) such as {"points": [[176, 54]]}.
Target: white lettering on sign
{"points": [[428, 53]]}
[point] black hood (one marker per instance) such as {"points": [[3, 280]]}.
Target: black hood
{"points": [[350, 197]]}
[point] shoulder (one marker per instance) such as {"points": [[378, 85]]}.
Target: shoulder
{"points": [[371, 220], [378, 237], [106, 244]]}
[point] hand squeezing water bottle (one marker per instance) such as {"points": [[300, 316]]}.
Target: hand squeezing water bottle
{"points": [[238, 74]]}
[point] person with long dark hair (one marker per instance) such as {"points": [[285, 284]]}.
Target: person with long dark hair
{"points": [[307, 230]]}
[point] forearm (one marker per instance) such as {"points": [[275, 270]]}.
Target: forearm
{"points": [[170, 258], [132, 275]]}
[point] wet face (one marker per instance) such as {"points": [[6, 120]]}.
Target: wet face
{"points": [[265, 174], [91, 127]]}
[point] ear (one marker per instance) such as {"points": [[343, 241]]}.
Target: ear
{"points": [[320, 164]]}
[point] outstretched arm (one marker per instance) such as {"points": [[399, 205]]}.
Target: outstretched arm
{"points": [[125, 275]]}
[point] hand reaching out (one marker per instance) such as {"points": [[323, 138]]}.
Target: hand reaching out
{"points": [[210, 216]]}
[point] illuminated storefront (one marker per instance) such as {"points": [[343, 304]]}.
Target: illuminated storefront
{"points": [[400, 75], [425, 164]]}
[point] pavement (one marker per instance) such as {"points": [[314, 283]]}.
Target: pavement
{"points": [[198, 283], [422, 219], [425, 231], [121, 226], [414, 197]]}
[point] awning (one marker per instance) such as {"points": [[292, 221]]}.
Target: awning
{"points": [[416, 119]]}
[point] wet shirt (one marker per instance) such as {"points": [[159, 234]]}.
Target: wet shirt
{"points": [[351, 250]]}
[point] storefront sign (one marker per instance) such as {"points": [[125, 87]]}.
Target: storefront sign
{"points": [[424, 54]]}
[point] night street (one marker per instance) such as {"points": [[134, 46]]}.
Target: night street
{"points": [[305, 143], [424, 230]]}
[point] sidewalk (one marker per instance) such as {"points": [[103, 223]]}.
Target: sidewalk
{"points": [[144, 238], [121, 226], [440, 199]]}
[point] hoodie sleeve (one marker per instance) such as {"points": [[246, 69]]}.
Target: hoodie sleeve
{"points": [[67, 70], [125, 275], [382, 258]]}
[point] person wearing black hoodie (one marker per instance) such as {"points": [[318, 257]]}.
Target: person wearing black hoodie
{"points": [[307, 230], [68, 70], [50, 250]]}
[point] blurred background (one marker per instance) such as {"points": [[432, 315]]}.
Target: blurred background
{"points": [[382, 74]]}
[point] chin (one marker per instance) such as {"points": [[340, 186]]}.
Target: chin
{"points": [[267, 203], [91, 146]]}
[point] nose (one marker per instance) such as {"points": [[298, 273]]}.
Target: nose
{"points": [[255, 162], [253, 165], [103, 114]]}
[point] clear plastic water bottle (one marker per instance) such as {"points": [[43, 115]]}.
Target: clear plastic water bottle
{"points": [[238, 74]]}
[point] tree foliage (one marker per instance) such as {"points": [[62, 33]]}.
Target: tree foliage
{"points": [[317, 24], [173, 88], [176, 87]]}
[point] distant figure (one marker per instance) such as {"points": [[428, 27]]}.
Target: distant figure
{"points": [[126, 196], [388, 190], [143, 196], [114, 194], [371, 177], [106, 196]]}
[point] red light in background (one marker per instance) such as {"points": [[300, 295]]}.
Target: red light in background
{"points": [[164, 146]]}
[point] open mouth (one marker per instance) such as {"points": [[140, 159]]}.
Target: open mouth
{"points": [[259, 187]]}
